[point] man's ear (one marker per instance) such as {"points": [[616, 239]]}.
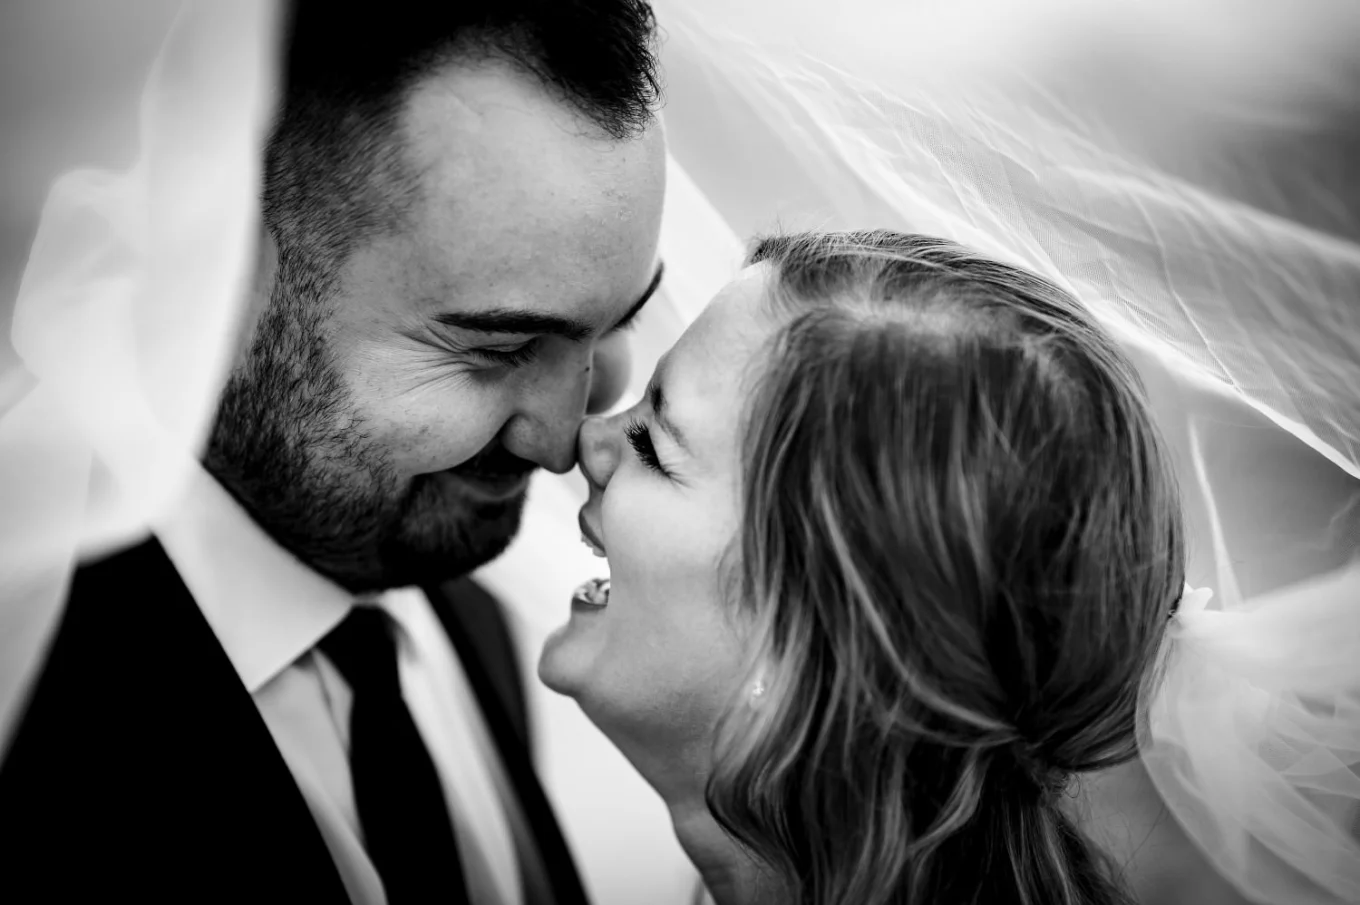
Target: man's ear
{"points": [[610, 370]]}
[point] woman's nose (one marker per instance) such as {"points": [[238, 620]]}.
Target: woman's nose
{"points": [[597, 450]]}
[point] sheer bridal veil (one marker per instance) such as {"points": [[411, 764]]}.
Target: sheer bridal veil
{"points": [[1190, 170], [135, 288]]}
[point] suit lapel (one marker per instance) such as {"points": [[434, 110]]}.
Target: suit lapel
{"points": [[476, 642]]}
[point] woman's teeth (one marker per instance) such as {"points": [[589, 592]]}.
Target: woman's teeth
{"points": [[593, 549], [593, 593]]}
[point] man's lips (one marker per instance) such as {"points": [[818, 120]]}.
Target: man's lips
{"points": [[589, 536], [495, 487]]}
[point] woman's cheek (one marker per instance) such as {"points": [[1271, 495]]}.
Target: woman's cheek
{"points": [[647, 531]]}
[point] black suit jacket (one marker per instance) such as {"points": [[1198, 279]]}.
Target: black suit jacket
{"points": [[143, 771]]}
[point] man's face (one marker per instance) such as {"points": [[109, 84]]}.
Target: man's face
{"points": [[386, 436]]}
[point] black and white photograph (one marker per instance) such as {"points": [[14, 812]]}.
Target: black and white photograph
{"points": [[680, 452]]}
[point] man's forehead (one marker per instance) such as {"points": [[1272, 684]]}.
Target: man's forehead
{"points": [[518, 207], [513, 188], [519, 269], [492, 124]]}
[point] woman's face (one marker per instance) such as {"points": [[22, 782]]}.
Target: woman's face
{"points": [[656, 666]]}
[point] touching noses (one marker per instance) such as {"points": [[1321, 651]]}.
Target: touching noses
{"points": [[549, 416], [598, 451]]}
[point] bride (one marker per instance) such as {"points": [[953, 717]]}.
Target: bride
{"points": [[893, 544]]}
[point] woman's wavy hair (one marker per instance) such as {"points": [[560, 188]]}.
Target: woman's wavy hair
{"points": [[961, 543]]}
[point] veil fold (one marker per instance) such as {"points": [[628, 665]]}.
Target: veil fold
{"points": [[130, 307]]}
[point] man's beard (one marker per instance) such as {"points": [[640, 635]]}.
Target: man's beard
{"points": [[289, 446]]}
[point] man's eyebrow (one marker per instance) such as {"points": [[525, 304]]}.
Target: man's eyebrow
{"points": [[642, 299], [508, 320], [657, 398], [535, 323]]}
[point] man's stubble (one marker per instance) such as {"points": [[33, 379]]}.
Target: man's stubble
{"points": [[289, 444]]}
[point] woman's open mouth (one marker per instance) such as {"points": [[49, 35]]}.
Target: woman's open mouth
{"points": [[593, 595]]}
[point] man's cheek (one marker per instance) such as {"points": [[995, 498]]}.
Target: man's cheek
{"points": [[430, 435]]}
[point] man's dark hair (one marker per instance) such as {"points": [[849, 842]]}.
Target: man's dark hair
{"points": [[335, 173]]}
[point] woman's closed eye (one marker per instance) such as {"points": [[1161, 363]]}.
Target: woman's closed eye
{"points": [[640, 438]]}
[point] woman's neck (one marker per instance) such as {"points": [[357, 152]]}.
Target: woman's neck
{"points": [[731, 875]]}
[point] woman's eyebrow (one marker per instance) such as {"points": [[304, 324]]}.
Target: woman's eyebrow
{"points": [[656, 396]]}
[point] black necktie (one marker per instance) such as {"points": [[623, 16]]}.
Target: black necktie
{"points": [[406, 825]]}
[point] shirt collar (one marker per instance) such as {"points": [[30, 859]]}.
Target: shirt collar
{"points": [[266, 607]]}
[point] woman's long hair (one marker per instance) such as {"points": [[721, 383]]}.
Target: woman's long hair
{"points": [[961, 543]]}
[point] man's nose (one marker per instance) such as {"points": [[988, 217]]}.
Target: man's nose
{"points": [[543, 430], [598, 450], [613, 365]]}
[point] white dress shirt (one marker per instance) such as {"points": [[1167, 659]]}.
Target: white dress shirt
{"points": [[269, 610]]}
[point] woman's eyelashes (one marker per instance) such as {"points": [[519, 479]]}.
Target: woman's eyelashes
{"points": [[640, 438]]}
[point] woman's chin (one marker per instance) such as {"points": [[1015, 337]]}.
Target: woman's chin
{"points": [[566, 659]]}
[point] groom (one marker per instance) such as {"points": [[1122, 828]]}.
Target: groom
{"points": [[292, 692]]}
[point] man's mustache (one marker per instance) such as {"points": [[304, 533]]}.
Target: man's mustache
{"points": [[494, 463]]}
